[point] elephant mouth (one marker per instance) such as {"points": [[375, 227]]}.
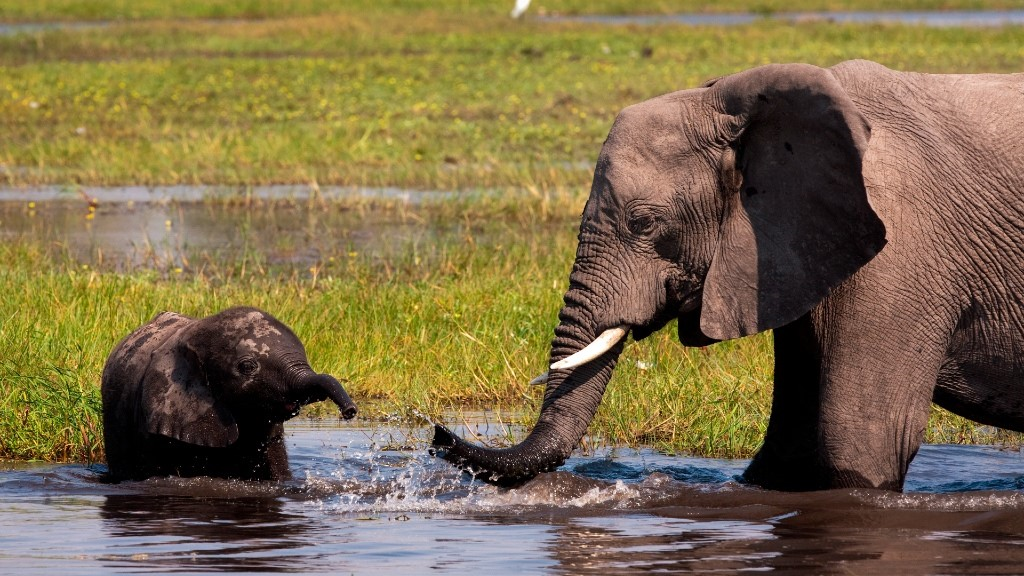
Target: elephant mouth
{"points": [[689, 330], [691, 303], [644, 330], [680, 303], [641, 332]]}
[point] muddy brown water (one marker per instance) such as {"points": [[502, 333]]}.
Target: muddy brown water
{"points": [[368, 497]]}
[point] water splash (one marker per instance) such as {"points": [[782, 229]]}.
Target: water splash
{"points": [[374, 497]]}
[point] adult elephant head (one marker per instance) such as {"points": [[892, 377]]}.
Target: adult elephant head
{"points": [[734, 207]]}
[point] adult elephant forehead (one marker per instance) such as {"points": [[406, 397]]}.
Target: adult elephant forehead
{"points": [[742, 206], [661, 131]]}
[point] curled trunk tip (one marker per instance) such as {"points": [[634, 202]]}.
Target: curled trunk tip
{"points": [[327, 386], [498, 467], [571, 398]]}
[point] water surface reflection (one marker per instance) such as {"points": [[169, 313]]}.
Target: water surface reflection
{"points": [[356, 507], [281, 228], [930, 18], [221, 534]]}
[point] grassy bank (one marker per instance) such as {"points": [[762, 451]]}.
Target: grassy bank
{"points": [[381, 94]]}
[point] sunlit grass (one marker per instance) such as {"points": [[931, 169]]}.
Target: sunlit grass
{"points": [[428, 329], [433, 329], [437, 101]]}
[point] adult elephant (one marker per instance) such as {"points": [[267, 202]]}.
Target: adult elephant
{"points": [[873, 219], [207, 397]]}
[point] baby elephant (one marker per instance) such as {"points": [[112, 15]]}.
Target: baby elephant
{"points": [[207, 397]]}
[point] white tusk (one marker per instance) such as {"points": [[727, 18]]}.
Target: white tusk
{"points": [[542, 379], [599, 346]]}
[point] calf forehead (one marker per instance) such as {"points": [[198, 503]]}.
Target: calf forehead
{"points": [[254, 333], [252, 324], [251, 347]]}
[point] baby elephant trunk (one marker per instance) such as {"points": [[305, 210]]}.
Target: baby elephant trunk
{"points": [[324, 386]]}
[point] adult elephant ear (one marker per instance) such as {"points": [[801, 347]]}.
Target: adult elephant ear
{"points": [[177, 401], [798, 220]]}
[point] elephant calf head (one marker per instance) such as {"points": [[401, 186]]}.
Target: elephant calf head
{"points": [[189, 397]]}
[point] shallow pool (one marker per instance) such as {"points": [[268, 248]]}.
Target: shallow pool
{"points": [[370, 499]]}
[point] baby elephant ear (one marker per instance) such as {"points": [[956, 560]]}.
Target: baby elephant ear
{"points": [[177, 402], [798, 220]]}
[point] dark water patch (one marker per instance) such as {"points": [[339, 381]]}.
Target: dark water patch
{"points": [[358, 506], [928, 18], [932, 19], [608, 470]]}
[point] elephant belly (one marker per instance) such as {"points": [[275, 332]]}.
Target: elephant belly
{"points": [[986, 388]]}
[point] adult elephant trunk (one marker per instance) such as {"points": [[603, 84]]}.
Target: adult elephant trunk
{"points": [[570, 402]]}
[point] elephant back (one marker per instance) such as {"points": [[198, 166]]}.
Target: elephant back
{"points": [[129, 359], [120, 388]]}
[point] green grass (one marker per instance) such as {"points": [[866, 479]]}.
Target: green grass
{"points": [[458, 326], [383, 94], [437, 101]]}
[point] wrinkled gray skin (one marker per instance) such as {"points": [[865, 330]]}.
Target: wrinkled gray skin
{"points": [[207, 397], [874, 219]]}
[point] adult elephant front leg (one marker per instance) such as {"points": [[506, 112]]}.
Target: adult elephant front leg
{"points": [[789, 458], [873, 423], [859, 421]]}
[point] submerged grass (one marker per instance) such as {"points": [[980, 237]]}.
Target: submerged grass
{"points": [[384, 93]]}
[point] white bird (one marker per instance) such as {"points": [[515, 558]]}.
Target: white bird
{"points": [[520, 8]]}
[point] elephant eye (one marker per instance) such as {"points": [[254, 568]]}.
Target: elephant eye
{"points": [[248, 367], [641, 224]]}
